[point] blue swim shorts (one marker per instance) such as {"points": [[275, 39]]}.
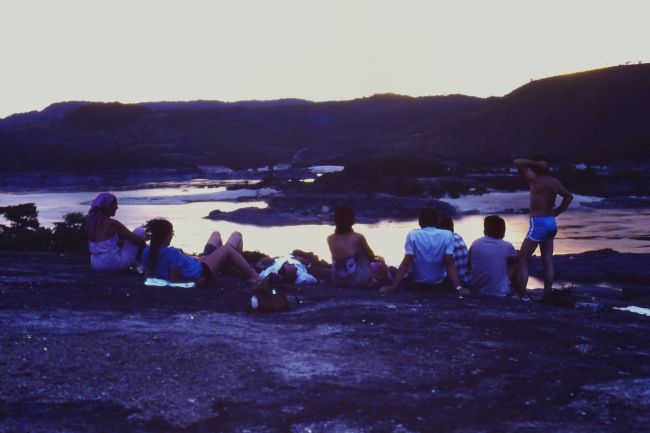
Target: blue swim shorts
{"points": [[542, 228]]}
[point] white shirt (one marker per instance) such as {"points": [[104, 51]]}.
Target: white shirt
{"points": [[302, 276], [428, 246]]}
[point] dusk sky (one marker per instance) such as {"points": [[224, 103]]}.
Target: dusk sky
{"points": [[134, 51]]}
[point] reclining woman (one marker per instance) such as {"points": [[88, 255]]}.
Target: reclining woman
{"points": [[297, 268], [113, 247], [354, 264], [171, 264]]}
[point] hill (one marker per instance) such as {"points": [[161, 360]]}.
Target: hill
{"points": [[590, 116], [596, 115]]}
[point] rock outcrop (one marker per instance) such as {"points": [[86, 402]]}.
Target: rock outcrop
{"points": [[88, 352]]}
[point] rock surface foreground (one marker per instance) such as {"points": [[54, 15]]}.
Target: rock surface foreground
{"points": [[85, 352]]}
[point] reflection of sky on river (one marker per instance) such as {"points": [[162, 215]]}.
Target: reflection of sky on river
{"points": [[581, 229], [497, 202]]}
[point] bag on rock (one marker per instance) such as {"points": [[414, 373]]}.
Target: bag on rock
{"points": [[268, 300]]}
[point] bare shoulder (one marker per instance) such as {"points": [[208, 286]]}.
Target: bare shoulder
{"points": [[562, 190], [115, 224], [555, 183], [359, 238]]}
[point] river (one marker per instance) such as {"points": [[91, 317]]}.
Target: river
{"points": [[581, 228]]}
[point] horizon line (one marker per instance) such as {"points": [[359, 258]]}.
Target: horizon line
{"points": [[289, 98]]}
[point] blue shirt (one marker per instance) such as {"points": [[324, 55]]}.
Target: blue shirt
{"points": [[428, 246], [171, 258]]}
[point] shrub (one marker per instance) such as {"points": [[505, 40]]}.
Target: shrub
{"points": [[22, 217], [70, 235], [25, 233]]}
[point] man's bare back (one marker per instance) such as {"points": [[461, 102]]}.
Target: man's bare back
{"points": [[543, 192], [544, 189]]}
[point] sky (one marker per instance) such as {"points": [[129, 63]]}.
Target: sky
{"points": [[141, 50]]}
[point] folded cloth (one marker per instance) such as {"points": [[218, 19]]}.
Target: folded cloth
{"points": [[164, 283]]}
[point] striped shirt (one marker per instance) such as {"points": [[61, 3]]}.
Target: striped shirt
{"points": [[461, 257]]}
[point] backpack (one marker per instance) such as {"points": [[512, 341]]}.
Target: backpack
{"points": [[269, 297]]}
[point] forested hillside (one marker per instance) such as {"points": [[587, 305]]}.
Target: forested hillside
{"points": [[598, 116]]}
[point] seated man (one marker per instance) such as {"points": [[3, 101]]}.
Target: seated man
{"points": [[492, 260], [461, 254], [429, 255]]}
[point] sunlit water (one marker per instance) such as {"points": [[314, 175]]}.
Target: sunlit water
{"points": [[580, 228]]}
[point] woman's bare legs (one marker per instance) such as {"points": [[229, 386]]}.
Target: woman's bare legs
{"points": [[236, 240], [215, 239], [226, 254]]}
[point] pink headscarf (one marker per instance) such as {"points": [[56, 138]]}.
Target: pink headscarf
{"points": [[98, 213]]}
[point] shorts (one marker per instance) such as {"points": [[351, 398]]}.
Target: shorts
{"points": [[209, 249], [208, 275], [542, 228]]}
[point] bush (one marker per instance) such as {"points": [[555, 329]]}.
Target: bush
{"points": [[70, 235], [25, 233], [22, 217]]}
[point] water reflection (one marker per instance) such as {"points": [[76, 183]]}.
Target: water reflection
{"points": [[580, 229]]}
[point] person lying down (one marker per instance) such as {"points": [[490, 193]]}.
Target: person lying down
{"points": [[165, 262], [288, 269]]}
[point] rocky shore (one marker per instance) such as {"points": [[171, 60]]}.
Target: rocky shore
{"points": [[292, 209], [86, 352], [606, 266]]}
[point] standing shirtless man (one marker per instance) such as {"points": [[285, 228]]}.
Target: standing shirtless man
{"points": [[543, 191]]}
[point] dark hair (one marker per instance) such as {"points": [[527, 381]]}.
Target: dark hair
{"points": [[494, 226], [537, 170], [343, 219], [428, 217], [158, 229], [445, 222], [285, 277]]}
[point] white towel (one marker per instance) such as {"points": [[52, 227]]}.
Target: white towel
{"points": [[164, 283]]}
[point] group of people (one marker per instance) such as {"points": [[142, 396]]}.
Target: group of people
{"points": [[113, 248], [435, 257]]}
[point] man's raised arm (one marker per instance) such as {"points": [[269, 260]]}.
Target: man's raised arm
{"points": [[525, 166]]}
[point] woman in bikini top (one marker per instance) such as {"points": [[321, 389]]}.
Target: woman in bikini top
{"points": [[354, 264]]}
